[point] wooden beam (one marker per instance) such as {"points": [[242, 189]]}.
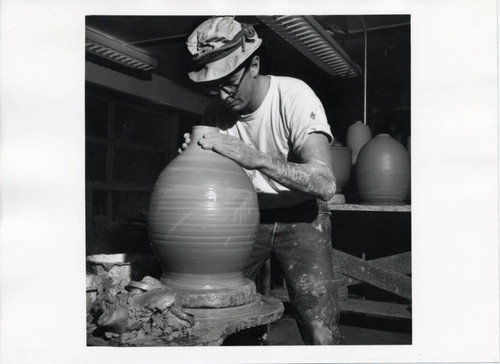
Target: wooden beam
{"points": [[378, 276], [110, 158], [157, 89], [399, 262], [376, 308]]}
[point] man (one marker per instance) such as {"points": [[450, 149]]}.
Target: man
{"points": [[276, 129]]}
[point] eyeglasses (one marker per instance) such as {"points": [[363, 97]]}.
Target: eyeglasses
{"points": [[230, 90]]}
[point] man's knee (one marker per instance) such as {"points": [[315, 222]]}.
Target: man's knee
{"points": [[325, 336]]}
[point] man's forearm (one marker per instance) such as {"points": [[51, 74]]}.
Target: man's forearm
{"points": [[316, 179]]}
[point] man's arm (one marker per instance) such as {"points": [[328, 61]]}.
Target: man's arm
{"points": [[312, 175]]}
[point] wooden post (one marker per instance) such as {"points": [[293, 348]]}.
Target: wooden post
{"points": [[110, 158]]}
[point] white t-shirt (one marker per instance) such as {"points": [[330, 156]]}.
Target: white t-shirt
{"points": [[289, 113]]}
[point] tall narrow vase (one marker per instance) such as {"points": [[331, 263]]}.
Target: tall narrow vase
{"points": [[203, 219], [383, 172], [358, 134]]}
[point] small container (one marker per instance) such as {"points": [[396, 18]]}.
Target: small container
{"points": [[341, 164], [122, 268]]}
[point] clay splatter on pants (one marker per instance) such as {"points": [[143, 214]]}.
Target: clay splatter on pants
{"points": [[301, 241]]}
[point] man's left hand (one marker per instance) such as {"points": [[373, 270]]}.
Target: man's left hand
{"points": [[233, 148]]}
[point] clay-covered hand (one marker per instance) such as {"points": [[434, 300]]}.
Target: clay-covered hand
{"points": [[233, 148], [187, 140]]}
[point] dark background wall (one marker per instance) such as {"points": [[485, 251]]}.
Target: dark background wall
{"points": [[129, 140]]}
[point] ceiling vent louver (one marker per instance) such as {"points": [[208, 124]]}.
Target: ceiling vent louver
{"points": [[310, 38], [114, 51]]}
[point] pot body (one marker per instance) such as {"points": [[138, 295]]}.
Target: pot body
{"points": [[358, 134], [383, 171], [342, 157], [203, 219]]}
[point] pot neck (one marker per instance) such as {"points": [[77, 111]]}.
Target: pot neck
{"points": [[200, 130]]}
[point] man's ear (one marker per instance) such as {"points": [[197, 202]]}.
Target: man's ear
{"points": [[255, 66]]}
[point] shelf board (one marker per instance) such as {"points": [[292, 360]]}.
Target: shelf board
{"points": [[118, 186], [374, 208], [123, 143]]}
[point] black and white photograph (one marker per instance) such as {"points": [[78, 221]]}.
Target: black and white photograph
{"points": [[314, 111], [264, 182]]}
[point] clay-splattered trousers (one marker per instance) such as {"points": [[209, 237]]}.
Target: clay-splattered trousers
{"points": [[300, 238]]}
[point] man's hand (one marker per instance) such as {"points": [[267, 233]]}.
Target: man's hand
{"points": [[187, 140], [233, 148]]}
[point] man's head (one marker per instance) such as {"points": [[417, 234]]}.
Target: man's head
{"points": [[224, 52]]}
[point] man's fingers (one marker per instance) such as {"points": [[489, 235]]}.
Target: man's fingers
{"points": [[205, 144], [187, 139], [209, 140], [184, 146]]}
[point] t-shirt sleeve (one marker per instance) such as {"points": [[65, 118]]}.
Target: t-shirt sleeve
{"points": [[306, 116]]}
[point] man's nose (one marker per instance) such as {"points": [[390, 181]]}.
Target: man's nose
{"points": [[223, 94]]}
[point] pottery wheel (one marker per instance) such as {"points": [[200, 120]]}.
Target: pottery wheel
{"points": [[221, 297], [213, 325]]}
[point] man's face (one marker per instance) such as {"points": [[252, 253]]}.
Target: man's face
{"points": [[234, 90]]}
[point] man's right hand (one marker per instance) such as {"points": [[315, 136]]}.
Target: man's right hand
{"points": [[187, 140]]}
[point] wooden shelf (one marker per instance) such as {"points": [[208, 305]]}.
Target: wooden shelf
{"points": [[119, 186], [123, 143], [373, 208]]}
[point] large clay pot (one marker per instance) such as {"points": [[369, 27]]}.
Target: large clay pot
{"points": [[202, 222], [358, 134], [383, 172], [341, 164]]}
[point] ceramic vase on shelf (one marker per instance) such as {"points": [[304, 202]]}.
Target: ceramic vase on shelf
{"points": [[202, 221], [358, 134], [342, 158], [383, 172]]}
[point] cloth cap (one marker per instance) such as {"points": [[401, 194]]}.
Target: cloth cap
{"points": [[218, 46]]}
